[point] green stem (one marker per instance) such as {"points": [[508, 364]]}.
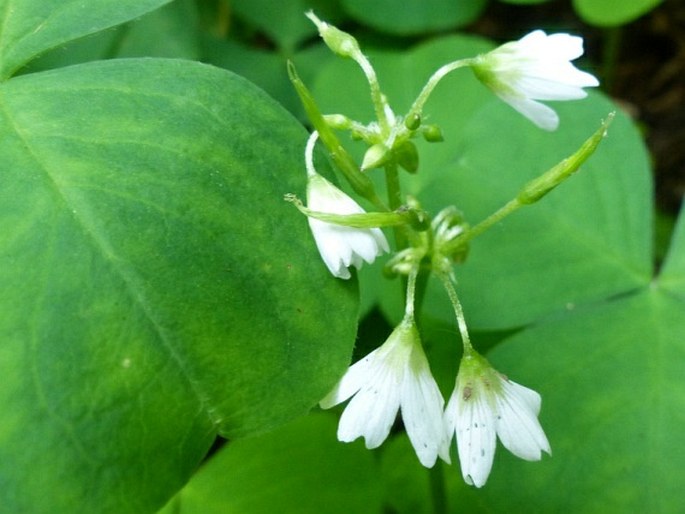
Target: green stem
{"points": [[437, 486], [392, 181], [379, 103], [458, 312], [417, 107], [496, 217]]}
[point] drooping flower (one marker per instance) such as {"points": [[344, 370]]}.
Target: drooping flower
{"points": [[395, 376], [536, 67], [340, 246], [486, 404]]}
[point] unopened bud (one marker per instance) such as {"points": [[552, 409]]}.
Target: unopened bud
{"points": [[413, 121], [338, 41], [407, 156], [432, 134], [337, 121], [376, 156]]}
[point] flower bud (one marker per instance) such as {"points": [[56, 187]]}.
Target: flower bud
{"points": [[432, 134], [407, 156], [413, 121], [375, 157], [339, 42], [337, 121]]}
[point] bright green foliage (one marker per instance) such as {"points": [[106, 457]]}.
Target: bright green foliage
{"points": [[30, 27], [414, 16], [156, 289], [298, 469], [284, 22], [610, 13], [524, 2]]}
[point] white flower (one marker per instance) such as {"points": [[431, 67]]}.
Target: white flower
{"points": [[486, 404], [340, 247], [536, 67], [394, 376]]}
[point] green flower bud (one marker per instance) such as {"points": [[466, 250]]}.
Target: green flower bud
{"points": [[337, 121], [339, 42], [432, 134], [407, 156], [375, 157], [413, 121]]}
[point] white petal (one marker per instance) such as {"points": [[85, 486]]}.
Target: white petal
{"points": [[476, 439], [422, 415], [517, 424], [351, 382], [372, 411], [544, 117]]}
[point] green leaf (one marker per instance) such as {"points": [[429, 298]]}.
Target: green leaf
{"points": [[613, 406], [524, 2], [171, 31], [298, 469], [672, 276], [156, 289], [265, 68], [587, 240], [609, 13], [286, 23], [30, 27], [415, 16]]}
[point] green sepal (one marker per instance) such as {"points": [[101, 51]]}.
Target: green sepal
{"points": [[361, 184], [403, 216]]}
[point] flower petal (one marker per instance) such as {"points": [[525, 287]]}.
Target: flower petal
{"points": [[421, 405], [351, 382], [517, 424], [372, 411], [476, 439]]}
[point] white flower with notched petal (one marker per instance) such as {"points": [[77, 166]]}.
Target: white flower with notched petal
{"points": [[536, 67], [394, 376], [340, 247], [486, 404]]}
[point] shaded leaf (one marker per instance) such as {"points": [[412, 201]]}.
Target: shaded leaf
{"points": [[30, 27], [298, 469], [156, 289]]}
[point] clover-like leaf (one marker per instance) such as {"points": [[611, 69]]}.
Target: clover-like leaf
{"points": [[155, 289]]}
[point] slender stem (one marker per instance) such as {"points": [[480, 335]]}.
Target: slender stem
{"points": [[497, 216], [458, 312], [379, 103], [437, 486], [411, 293], [392, 181], [421, 285], [433, 81]]}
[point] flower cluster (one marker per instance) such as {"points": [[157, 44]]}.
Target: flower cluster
{"points": [[396, 377]]}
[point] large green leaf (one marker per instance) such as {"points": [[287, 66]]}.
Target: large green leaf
{"points": [[613, 407], [612, 12], [588, 240], [298, 469], [30, 27], [672, 276], [415, 16], [155, 287], [285, 22]]}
